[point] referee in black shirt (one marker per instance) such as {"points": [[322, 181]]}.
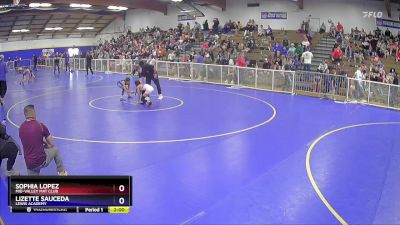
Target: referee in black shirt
{"points": [[89, 63], [148, 72], [57, 63]]}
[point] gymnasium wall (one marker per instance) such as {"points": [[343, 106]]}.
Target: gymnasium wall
{"points": [[348, 12], [26, 49]]}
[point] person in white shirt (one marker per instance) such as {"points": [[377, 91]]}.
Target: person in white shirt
{"points": [[143, 92], [171, 56], [306, 58], [358, 75], [323, 67], [261, 30]]}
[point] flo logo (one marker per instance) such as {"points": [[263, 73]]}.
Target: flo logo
{"points": [[372, 14]]}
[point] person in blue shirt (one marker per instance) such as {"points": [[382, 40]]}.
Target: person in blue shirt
{"points": [[3, 80]]}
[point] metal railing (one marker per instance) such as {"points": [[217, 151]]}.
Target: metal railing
{"points": [[340, 88], [20, 63]]}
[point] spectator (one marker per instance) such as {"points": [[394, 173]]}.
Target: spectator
{"points": [[39, 150], [261, 30], [241, 61], [292, 51], [3, 79], [306, 58], [323, 67], [268, 31], [397, 55], [305, 42], [336, 55], [339, 28], [322, 29], [8, 150], [358, 85], [266, 64]]}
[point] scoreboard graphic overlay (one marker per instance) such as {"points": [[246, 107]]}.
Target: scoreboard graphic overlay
{"points": [[70, 194]]}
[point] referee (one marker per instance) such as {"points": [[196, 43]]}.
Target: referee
{"points": [[148, 72], [89, 59]]}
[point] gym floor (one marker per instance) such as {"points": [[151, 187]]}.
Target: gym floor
{"points": [[209, 154]]}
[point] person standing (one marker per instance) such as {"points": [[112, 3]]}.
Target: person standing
{"points": [[307, 57], [67, 65], [89, 58], [39, 150], [3, 79], [358, 75], [150, 75], [35, 62], [57, 63]]}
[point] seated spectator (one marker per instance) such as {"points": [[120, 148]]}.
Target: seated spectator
{"points": [[387, 33], [241, 61], [171, 56], [261, 30], [199, 58], [279, 48], [296, 63], [215, 26], [299, 50], [397, 55], [305, 42], [339, 28], [267, 64], [278, 64], [292, 51], [39, 150], [8, 150], [358, 55], [268, 31], [323, 67], [336, 55], [285, 43], [322, 29]]}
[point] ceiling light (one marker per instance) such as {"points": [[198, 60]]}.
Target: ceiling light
{"points": [[53, 28], [20, 31], [36, 5], [187, 11], [74, 5], [120, 8], [85, 28], [176, 0]]}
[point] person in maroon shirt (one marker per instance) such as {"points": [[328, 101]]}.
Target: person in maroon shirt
{"points": [[38, 146]]}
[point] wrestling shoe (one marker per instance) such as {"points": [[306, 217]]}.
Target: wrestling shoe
{"points": [[122, 99], [160, 97], [63, 173], [12, 173]]}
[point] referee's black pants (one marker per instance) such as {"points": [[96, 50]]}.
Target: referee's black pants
{"points": [[9, 152], [156, 81], [3, 88], [89, 67]]}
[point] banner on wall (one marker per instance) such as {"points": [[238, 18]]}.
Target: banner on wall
{"points": [[185, 18], [274, 15], [47, 52], [387, 23]]}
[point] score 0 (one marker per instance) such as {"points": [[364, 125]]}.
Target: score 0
{"points": [[121, 189]]}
